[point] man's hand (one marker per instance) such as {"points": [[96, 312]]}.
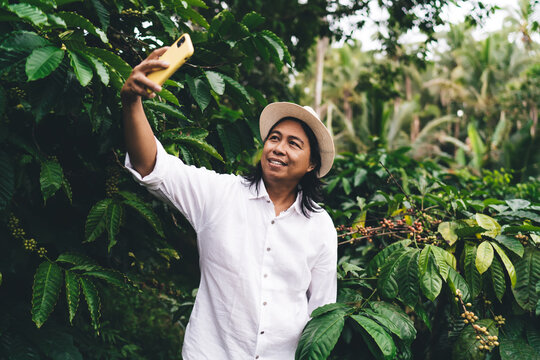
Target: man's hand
{"points": [[137, 84]]}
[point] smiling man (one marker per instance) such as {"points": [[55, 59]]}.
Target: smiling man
{"points": [[268, 252]]}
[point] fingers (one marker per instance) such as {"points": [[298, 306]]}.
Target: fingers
{"points": [[136, 88], [157, 53], [148, 66]]}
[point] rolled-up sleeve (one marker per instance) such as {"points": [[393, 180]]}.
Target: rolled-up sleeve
{"points": [[194, 191], [323, 286]]}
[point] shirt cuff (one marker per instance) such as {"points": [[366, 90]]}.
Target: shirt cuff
{"points": [[155, 178]]}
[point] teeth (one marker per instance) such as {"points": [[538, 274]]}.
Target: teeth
{"points": [[276, 162]]}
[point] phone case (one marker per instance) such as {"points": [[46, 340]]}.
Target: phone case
{"points": [[176, 56]]}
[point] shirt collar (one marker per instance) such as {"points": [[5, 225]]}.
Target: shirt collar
{"points": [[263, 194]]}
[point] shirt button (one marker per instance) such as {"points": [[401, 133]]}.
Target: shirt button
{"points": [[272, 222], [265, 275], [256, 357], [262, 332], [268, 249], [267, 201], [264, 303]]}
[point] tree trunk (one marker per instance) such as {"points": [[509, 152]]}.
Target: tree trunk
{"points": [[322, 45]]}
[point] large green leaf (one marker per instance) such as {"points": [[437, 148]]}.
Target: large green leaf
{"points": [[253, 20], [497, 278], [276, 39], [96, 221], [75, 259], [72, 293], [320, 336], [237, 87], [201, 145], [200, 91], [29, 12], [113, 277], [74, 20], [216, 81], [92, 299], [47, 284], [472, 275], [82, 69], [528, 275], [430, 281], [457, 282], [114, 61], [512, 349], [169, 96], [42, 62], [407, 278], [386, 283], [99, 67], [378, 334], [114, 218], [51, 178], [166, 109], [448, 231], [147, 213], [444, 260], [379, 259], [511, 243], [102, 13], [490, 224], [507, 263], [275, 51], [393, 314], [7, 180], [484, 256]]}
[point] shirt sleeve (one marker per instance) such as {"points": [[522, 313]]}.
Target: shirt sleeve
{"points": [[323, 287], [196, 192]]}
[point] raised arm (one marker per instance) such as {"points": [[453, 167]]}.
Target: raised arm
{"points": [[139, 138]]}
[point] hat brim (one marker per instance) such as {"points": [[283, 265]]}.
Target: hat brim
{"points": [[274, 112]]}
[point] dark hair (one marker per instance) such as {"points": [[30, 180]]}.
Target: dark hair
{"points": [[310, 184]]}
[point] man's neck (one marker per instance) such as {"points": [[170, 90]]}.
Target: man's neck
{"points": [[282, 195]]}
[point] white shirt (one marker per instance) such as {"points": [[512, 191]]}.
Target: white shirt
{"points": [[261, 275]]}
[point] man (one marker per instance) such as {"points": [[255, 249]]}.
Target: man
{"points": [[267, 251]]}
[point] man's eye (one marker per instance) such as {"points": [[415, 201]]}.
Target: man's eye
{"points": [[294, 144]]}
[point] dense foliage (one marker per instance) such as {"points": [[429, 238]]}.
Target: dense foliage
{"points": [[92, 267]]}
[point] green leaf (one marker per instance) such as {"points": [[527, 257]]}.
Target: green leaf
{"points": [[383, 340], [393, 314], [320, 336], [444, 260], [194, 16], [270, 35], [448, 232], [237, 87], [75, 259], [253, 20], [114, 61], [200, 92], [169, 96], [490, 224], [528, 275], [102, 13], [42, 62], [507, 263], [47, 284], [517, 229], [113, 277], [321, 310], [512, 349], [518, 204], [497, 279], [386, 282], [216, 82], [29, 12], [407, 278], [275, 51], [379, 259], [168, 25], [100, 69], [423, 259], [147, 213], [74, 20], [484, 256], [92, 299], [466, 346], [511, 243], [430, 281], [197, 3], [166, 109], [457, 282], [114, 219], [472, 275], [51, 178], [72, 294], [202, 145], [7, 180], [82, 69], [96, 221]]}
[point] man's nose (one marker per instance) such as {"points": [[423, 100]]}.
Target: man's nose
{"points": [[278, 149]]}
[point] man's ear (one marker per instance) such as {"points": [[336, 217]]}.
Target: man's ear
{"points": [[311, 167]]}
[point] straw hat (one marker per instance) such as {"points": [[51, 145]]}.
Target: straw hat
{"points": [[274, 112]]}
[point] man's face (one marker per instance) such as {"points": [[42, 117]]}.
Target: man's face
{"points": [[286, 153]]}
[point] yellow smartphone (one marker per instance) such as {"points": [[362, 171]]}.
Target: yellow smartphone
{"points": [[176, 56]]}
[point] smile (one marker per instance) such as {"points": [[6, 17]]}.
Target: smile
{"points": [[276, 162]]}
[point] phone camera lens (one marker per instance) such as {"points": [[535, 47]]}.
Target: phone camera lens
{"points": [[181, 41]]}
